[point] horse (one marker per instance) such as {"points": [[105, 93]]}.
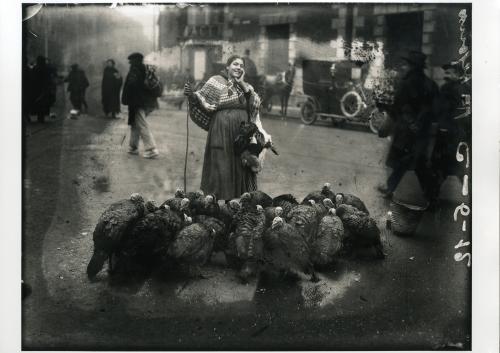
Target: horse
{"points": [[280, 84]]}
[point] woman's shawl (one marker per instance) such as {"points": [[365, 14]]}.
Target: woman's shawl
{"points": [[221, 93]]}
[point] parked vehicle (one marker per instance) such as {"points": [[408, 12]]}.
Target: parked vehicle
{"points": [[341, 98]]}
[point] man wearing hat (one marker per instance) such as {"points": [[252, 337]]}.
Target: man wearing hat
{"points": [[412, 113], [450, 130], [140, 104]]}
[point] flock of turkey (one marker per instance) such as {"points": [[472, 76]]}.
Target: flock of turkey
{"points": [[256, 233]]}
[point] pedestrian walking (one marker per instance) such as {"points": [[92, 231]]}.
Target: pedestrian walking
{"points": [[77, 85], [450, 131], [140, 103], [110, 89], [230, 101], [40, 89], [412, 113]]}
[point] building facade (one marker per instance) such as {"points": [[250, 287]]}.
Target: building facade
{"points": [[278, 34]]}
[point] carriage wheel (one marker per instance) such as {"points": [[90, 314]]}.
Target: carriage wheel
{"points": [[376, 119], [351, 104], [308, 113]]}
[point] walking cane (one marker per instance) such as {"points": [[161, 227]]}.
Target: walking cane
{"points": [[187, 145]]}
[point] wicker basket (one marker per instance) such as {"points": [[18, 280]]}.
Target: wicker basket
{"points": [[405, 218]]}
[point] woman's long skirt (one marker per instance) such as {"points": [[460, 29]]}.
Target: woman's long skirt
{"points": [[223, 173]]}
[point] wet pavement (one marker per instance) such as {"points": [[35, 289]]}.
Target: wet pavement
{"points": [[417, 298]]}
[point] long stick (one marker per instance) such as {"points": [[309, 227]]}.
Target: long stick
{"points": [[187, 146]]}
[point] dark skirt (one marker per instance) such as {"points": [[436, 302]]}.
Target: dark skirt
{"points": [[223, 173]]}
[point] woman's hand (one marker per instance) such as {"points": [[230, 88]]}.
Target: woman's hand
{"points": [[188, 90], [241, 81]]}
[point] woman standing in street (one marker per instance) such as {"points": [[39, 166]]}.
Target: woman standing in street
{"points": [[110, 89], [230, 101]]}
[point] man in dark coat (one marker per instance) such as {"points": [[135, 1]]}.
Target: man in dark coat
{"points": [[450, 131], [412, 113], [77, 84], [110, 89], [40, 89], [140, 103]]}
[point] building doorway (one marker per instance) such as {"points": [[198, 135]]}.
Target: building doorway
{"points": [[403, 33], [277, 54]]}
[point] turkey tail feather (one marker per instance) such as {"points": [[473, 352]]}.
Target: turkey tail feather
{"points": [[96, 263]]}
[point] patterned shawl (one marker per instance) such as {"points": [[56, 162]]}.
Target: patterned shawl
{"points": [[222, 92]]}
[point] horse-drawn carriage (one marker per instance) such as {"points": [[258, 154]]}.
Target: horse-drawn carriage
{"points": [[340, 97]]}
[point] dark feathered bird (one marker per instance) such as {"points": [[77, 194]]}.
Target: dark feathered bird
{"points": [[320, 207], [306, 219], [228, 211], [221, 236], [192, 246], [148, 240], [352, 200], [285, 250], [362, 229], [245, 239], [196, 199], [270, 213], [178, 205], [260, 198], [286, 202], [114, 222], [209, 207], [327, 242], [320, 195]]}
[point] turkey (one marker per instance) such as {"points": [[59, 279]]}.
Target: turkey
{"points": [[261, 198], [319, 196], [110, 228], [178, 204], [196, 199], [362, 229], [192, 247], [209, 207], [286, 202], [148, 240], [306, 219], [320, 207], [251, 161], [327, 242], [285, 251], [227, 212], [245, 239], [220, 236], [270, 213], [352, 200]]}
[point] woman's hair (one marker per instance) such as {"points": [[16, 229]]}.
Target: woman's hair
{"points": [[111, 61], [233, 58]]}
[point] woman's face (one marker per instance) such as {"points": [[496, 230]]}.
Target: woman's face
{"points": [[236, 68], [109, 64]]}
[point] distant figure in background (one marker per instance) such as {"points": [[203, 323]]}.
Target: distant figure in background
{"points": [[140, 103], [450, 131], [412, 113], [287, 89], [40, 89], [54, 80], [110, 89], [77, 84], [251, 75]]}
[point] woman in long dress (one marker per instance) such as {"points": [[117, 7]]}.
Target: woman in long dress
{"points": [[110, 89], [231, 101]]}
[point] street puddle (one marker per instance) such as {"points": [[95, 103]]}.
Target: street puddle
{"points": [[327, 290]]}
